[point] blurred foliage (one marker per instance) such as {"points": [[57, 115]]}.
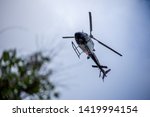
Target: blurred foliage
{"points": [[26, 78]]}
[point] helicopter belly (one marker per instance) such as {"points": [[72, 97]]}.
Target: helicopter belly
{"points": [[84, 48], [87, 48]]}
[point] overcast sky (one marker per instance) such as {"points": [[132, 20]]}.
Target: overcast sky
{"points": [[31, 25]]}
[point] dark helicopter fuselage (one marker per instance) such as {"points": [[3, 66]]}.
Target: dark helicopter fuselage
{"points": [[84, 42]]}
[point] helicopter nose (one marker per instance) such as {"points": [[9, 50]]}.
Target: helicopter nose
{"points": [[77, 35]]}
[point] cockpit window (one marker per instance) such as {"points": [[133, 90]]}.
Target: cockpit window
{"points": [[78, 35]]}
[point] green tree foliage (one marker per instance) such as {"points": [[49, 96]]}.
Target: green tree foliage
{"points": [[25, 78]]}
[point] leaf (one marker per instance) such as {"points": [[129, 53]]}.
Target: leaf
{"points": [[56, 94], [5, 56], [25, 76]]}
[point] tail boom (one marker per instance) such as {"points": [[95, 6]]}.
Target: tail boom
{"points": [[101, 67]]}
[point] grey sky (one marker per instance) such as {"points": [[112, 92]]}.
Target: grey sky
{"points": [[122, 24]]}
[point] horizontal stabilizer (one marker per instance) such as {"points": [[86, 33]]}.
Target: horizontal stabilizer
{"points": [[103, 66], [95, 66]]}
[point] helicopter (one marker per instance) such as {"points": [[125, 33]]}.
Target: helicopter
{"points": [[86, 44]]}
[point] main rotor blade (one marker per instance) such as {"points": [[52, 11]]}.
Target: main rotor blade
{"points": [[90, 20], [107, 47], [68, 37]]}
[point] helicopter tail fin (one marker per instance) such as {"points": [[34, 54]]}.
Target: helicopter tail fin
{"points": [[105, 73]]}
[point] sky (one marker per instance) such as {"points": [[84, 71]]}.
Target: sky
{"points": [[124, 25]]}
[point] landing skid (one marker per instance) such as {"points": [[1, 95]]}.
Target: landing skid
{"points": [[76, 50]]}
